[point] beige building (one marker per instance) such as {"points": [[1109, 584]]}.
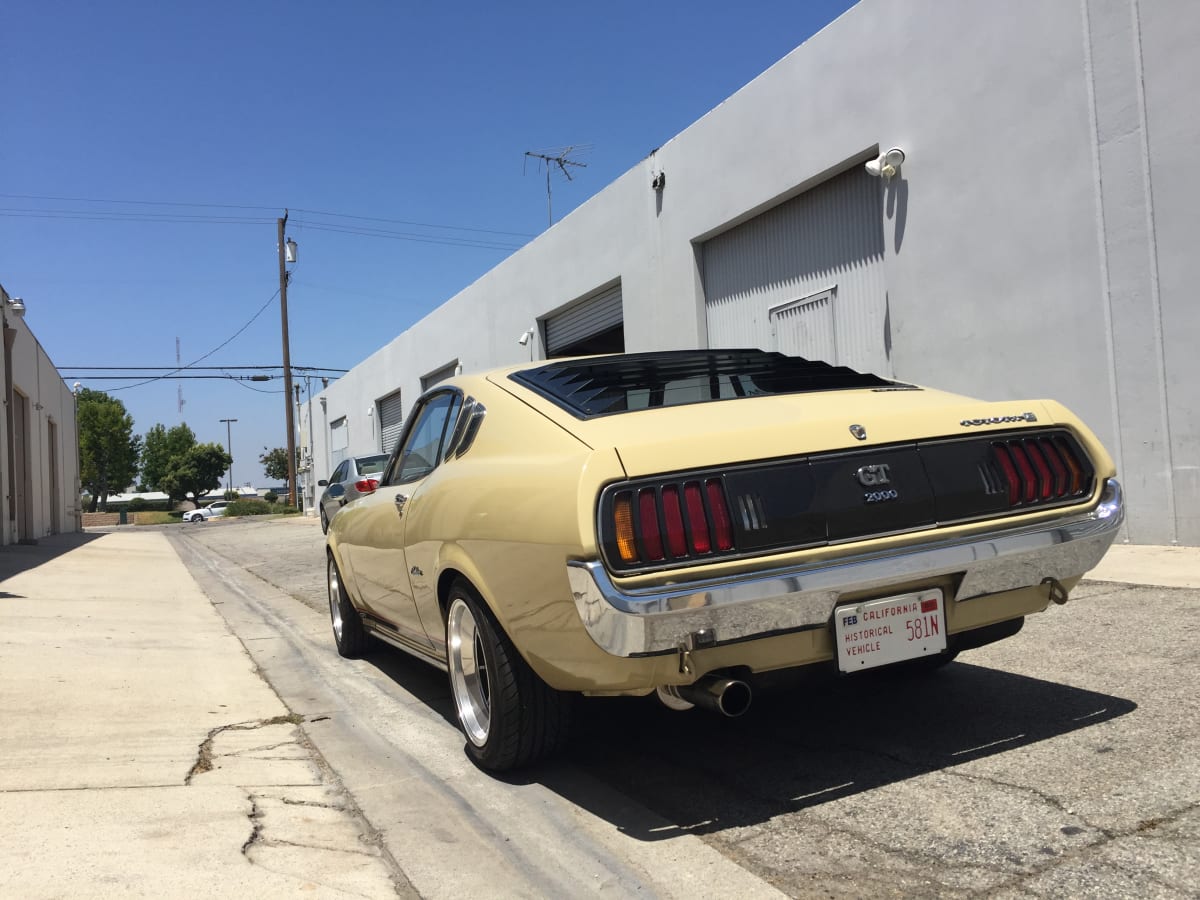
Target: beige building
{"points": [[39, 457]]}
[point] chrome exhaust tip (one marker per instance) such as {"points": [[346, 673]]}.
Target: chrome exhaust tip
{"points": [[728, 696]]}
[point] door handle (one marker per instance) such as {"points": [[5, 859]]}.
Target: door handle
{"points": [[401, 499]]}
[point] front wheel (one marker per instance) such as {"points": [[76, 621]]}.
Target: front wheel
{"points": [[349, 634], [324, 521], [509, 715]]}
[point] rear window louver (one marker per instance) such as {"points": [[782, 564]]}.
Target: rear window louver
{"points": [[598, 386]]}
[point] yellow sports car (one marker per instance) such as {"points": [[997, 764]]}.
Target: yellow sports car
{"points": [[680, 522]]}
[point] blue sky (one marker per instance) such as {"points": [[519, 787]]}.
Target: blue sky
{"points": [[415, 113]]}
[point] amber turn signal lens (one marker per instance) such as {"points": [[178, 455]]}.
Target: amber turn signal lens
{"points": [[623, 519]]}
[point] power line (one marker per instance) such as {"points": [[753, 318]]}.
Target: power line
{"points": [[261, 309], [314, 212], [408, 236], [214, 368]]}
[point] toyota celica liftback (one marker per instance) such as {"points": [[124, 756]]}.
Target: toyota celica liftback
{"points": [[681, 522]]}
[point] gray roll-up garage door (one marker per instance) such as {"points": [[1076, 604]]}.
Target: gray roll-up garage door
{"points": [[597, 314], [805, 277], [391, 421]]}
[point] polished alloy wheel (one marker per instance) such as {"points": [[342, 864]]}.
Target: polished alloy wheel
{"points": [[468, 672], [335, 601]]}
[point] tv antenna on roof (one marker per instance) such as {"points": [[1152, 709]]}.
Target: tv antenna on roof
{"points": [[559, 156]]}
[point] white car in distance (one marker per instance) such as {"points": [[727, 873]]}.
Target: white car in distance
{"points": [[204, 513]]}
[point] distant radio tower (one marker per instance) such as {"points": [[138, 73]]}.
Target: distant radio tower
{"points": [[561, 158], [179, 382]]}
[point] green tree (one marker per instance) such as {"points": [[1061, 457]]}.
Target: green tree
{"points": [[275, 463], [161, 446], [108, 448], [196, 472]]}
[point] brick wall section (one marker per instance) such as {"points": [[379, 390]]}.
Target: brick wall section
{"points": [[99, 518]]}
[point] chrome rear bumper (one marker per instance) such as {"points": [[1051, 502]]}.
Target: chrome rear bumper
{"points": [[656, 620]]}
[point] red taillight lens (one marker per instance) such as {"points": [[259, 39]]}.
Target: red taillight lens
{"points": [[661, 523], [701, 543], [1045, 479], [722, 526], [1041, 468], [648, 514], [1010, 473], [673, 514], [366, 485], [1056, 466], [1025, 470]]}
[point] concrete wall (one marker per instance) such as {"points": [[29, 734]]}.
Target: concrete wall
{"points": [[51, 446], [1036, 236]]}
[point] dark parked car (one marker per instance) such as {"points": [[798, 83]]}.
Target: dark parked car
{"points": [[352, 479]]}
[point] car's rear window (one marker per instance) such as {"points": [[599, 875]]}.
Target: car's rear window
{"points": [[604, 385], [371, 465]]}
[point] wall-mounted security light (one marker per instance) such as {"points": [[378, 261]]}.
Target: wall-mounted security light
{"points": [[525, 336], [658, 180], [17, 306], [886, 164]]}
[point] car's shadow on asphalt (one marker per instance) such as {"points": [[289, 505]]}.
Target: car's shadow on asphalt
{"points": [[821, 739], [817, 737]]}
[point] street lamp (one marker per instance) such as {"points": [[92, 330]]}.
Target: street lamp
{"points": [[229, 446]]}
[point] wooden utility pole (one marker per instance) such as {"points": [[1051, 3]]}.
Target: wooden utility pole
{"points": [[287, 368]]}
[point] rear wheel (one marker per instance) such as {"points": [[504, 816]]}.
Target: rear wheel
{"points": [[510, 716], [348, 631]]}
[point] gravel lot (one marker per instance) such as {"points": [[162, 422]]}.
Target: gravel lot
{"points": [[1062, 762]]}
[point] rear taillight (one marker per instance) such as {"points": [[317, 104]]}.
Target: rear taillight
{"points": [[1043, 469], [668, 522], [366, 485]]}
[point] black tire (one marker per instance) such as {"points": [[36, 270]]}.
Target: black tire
{"points": [[324, 521], [349, 634], [509, 716]]}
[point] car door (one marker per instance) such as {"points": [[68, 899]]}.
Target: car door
{"points": [[334, 490], [372, 534]]}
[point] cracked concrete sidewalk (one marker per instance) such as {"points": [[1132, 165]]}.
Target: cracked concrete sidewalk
{"points": [[142, 754]]}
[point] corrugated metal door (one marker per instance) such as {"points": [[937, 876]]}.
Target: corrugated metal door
{"points": [[339, 440], [598, 313], [807, 273], [439, 375], [391, 421], [806, 327]]}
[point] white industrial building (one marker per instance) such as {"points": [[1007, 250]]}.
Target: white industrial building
{"points": [[1032, 243], [38, 445]]}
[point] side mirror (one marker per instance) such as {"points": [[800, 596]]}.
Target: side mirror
{"points": [[322, 483]]}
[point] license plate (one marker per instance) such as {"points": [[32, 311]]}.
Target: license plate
{"points": [[889, 630]]}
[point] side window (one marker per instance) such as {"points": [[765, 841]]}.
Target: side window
{"points": [[420, 452], [339, 474]]}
